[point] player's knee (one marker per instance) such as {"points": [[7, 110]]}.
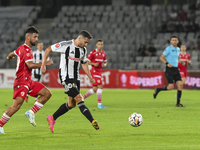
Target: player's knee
{"points": [[94, 89], [78, 98], [170, 87], [180, 86], [71, 105], [48, 94]]}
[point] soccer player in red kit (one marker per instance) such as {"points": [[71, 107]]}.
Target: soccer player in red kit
{"points": [[97, 58], [185, 60], [23, 84]]}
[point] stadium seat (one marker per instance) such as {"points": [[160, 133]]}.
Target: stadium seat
{"points": [[138, 25], [154, 59], [159, 53], [156, 65], [185, 7], [141, 65], [139, 58], [149, 65], [140, 8], [195, 65], [133, 65], [154, 7], [108, 8], [146, 59], [194, 58]]}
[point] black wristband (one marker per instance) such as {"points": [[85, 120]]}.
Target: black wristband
{"points": [[166, 63]]}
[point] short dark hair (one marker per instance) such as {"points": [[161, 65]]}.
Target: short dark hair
{"points": [[99, 40], [174, 37], [85, 34], [31, 29]]}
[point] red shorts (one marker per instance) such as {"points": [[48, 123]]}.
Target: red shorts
{"points": [[22, 90], [97, 77], [183, 73]]}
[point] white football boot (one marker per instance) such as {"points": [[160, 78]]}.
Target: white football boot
{"points": [[1, 130], [31, 116]]}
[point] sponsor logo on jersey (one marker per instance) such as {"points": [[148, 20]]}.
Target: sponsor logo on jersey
{"points": [[74, 59], [57, 45], [99, 60]]}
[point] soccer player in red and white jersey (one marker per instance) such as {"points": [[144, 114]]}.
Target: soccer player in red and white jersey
{"points": [[23, 84], [97, 58], [184, 61]]}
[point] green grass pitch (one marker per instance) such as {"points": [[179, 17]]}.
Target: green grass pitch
{"points": [[165, 127]]}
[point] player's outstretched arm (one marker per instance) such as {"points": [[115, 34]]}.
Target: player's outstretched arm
{"points": [[86, 69], [32, 65], [44, 60], [93, 64], [11, 55]]}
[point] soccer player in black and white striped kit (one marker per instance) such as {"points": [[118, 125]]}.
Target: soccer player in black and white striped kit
{"points": [[73, 53], [38, 55]]}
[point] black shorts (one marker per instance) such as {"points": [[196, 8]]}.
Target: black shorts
{"points": [[172, 74], [72, 87]]}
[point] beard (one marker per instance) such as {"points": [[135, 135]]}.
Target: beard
{"points": [[33, 44], [81, 45]]}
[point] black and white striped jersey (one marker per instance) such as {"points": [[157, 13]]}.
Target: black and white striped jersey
{"points": [[70, 59], [37, 56]]}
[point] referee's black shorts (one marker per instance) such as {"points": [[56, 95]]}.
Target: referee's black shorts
{"points": [[172, 74]]}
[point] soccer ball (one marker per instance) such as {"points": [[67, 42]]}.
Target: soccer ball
{"points": [[135, 119]]}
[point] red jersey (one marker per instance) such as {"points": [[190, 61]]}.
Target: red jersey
{"points": [[23, 73], [97, 57], [183, 58]]}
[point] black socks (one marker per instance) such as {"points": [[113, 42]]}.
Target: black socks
{"points": [[62, 110], [85, 111], [164, 88], [179, 96], [65, 108]]}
